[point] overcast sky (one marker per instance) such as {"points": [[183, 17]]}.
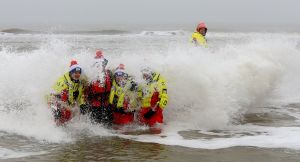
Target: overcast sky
{"points": [[148, 12]]}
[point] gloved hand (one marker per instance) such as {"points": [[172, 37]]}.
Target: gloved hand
{"points": [[56, 114], [104, 63], [133, 86], [149, 114], [84, 109]]}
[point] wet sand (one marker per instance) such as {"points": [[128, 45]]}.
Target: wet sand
{"points": [[117, 149]]}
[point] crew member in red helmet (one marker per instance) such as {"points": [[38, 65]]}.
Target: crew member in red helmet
{"points": [[122, 96], [198, 37], [68, 94], [98, 90]]}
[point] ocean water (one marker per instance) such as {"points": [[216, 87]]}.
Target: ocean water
{"points": [[238, 100]]}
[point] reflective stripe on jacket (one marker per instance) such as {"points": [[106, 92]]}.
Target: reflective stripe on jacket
{"points": [[65, 83], [154, 93]]}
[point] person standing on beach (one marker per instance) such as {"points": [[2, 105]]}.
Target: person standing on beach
{"points": [[198, 37]]}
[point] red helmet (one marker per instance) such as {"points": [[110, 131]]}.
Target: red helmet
{"points": [[201, 25], [74, 67], [99, 54], [121, 67], [120, 70], [73, 62]]}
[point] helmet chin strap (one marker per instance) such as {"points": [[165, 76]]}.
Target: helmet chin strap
{"points": [[149, 78], [74, 80], [121, 83]]}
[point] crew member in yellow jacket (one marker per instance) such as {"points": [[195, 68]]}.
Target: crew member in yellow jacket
{"points": [[121, 97], [153, 96], [67, 92], [198, 37]]}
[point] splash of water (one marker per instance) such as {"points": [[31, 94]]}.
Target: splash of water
{"points": [[208, 88]]}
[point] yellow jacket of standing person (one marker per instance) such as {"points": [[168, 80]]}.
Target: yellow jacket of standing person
{"points": [[198, 39], [155, 92], [74, 90]]}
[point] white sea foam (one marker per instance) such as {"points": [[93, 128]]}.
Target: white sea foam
{"points": [[9, 154]]}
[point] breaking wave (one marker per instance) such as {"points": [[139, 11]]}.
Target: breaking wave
{"points": [[209, 88]]}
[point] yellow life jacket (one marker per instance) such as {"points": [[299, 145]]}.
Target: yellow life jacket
{"points": [[117, 95], [198, 39], [65, 83], [124, 97], [159, 85]]}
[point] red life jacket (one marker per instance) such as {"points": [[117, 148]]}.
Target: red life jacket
{"points": [[96, 87], [154, 99], [66, 115], [100, 93], [64, 95]]}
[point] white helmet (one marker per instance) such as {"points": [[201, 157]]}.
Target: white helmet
{"points": [[147, 74]]}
